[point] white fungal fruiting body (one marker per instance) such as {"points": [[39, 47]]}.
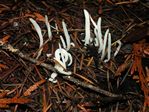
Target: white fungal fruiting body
{"points": [[64, 59], [87, 27], [63, 42], [109, 48], [66, 35], [38, 30], [68, 43], [48, 27], [97, 30], [118, 48], [99, 34], [104, 43]]}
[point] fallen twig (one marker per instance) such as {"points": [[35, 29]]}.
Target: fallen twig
{"points": [[50, 67]]}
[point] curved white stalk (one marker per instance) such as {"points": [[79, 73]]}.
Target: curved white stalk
{"points": [[118, 48], [48, 27], [109, 48], [99, 35], [64, 56], [70, 59], [63, 42], [104, 44], [72, 44], [66, 35], [38, 30], [87, 27], [59, 56]]}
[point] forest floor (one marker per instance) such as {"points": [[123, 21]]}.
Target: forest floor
{"points": [[96, 81]]}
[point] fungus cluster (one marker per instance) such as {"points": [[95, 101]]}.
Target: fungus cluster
{"points": [[102, 42], [62, 57]]}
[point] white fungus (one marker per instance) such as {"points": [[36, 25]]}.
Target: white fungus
{"points": [[38, 30]]}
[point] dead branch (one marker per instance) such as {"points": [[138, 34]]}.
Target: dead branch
{"points": [[51, 68]]}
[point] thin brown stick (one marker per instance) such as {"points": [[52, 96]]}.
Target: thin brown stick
{"points": [[51, 68]]}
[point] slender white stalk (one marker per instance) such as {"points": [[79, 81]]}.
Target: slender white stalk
{"points": [[95, 32], [99, 35], [67, 36], [63, 42], [48, 27], [63, 55], [118, 48], [96, 42], [104, 44], [93, 22], [87, 27], [109, 48], [38, 30]]}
